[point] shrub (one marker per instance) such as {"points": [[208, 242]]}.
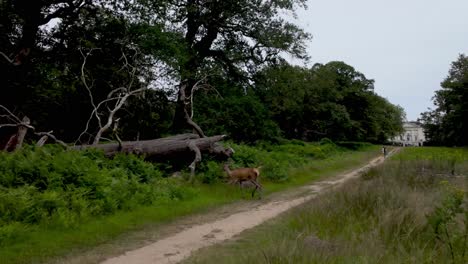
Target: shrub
{"points": [[353, 145], [49, 185], [211, 172], [325, 141], [8, 232], [277, 160]]}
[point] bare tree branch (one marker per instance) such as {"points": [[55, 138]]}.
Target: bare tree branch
{"points": [[192, 146], [17, 119], [187, 117], [7, 58], [9, 125], [119, 96], [195, 87], [110, 119], [85, 83], [49, 134], [42, 141]]}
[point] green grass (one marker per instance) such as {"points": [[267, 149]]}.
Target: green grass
{"points": [[39, 244], [26, 243], [339, 162], [412, 209]]}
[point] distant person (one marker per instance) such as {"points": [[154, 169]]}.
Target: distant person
{"points": [[384, 151]]}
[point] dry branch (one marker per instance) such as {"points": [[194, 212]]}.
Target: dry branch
{"points": [[116, 96], [186, 101], [192, 146]]}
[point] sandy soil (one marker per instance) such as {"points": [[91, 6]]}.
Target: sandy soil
{"points": [[174, 247]]}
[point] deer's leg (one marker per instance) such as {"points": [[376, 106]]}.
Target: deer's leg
{"points": [[253, 192], [257, 186], [240, 188]]}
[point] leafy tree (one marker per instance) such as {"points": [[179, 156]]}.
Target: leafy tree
{"points": [[22, 20], [446, 124], [383, 119], [147, 117], [170, 46], [332, 100], [284, 89], [238, 36], [48, 86], [228, 110]]}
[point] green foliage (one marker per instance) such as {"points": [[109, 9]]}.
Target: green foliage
{"points": [[243, 118], [277, 160], [444, 222], [353, 145], [173, 44], [147, 117], [332, 100], [51, 186], [76, 226], [390, 215], [8, 232], [446, 124], [252, 36], [325, 141], [211, 172]]}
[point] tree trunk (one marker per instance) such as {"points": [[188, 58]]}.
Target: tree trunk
{"points": [[16, 141], [166, 147], [182, 118]]}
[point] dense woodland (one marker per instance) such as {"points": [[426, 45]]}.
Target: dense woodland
{"points": [[175, 76], [447, 124], [96, 70]]}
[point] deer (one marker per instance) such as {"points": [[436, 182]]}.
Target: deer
{"points": [[242, 175]]}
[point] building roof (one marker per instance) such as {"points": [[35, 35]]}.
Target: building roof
{"points": [[412, 124]]}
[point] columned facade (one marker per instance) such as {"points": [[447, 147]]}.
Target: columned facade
{"points": [[413, 135]]}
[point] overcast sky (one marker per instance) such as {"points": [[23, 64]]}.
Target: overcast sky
{"points": [[406, 46]]}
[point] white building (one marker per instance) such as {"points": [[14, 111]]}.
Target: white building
{"points": [[413, 135]]}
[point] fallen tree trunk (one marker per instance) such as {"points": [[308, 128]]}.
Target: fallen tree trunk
{"points": [[166, 147], [179, 147]]}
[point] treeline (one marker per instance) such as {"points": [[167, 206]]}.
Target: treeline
{"points": [[330, 100], [447, 124], [150, 68]]}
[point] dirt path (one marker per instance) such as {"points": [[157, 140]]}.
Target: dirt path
{"points": [[178, 246]]}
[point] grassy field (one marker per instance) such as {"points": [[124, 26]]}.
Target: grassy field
{"points": [[64, 220], [412, 209]]}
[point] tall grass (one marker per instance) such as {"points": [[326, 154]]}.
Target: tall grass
{"points": [[413, 209]]}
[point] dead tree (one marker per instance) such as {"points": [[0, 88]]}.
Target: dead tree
{"points": [[104, 112], [188, 101], [23, 125], [115, 99], [188, 107], [172, 147], [169, 147]]}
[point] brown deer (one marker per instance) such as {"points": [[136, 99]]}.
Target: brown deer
{"points": [[242, 175]]}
